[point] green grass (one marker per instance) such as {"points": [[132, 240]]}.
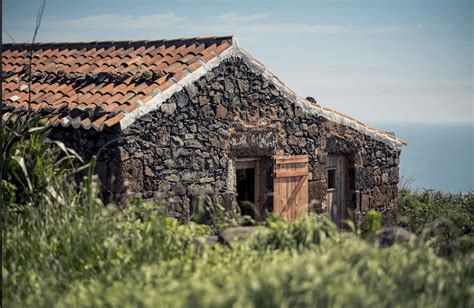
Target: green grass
{"points": [[62, 247], [100, 257]]}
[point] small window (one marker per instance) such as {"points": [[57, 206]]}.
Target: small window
{"points": [[331, 178]]}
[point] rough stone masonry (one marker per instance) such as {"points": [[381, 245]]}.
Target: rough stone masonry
{"points": [[188, 146]]}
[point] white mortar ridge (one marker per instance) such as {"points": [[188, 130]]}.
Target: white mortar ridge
{"points": [[235, 51], [156, 101]]}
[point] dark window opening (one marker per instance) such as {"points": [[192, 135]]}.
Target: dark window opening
{"points": [[352, 178], [331, 178], [246, 191]]}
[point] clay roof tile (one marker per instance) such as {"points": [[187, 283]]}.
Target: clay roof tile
{"points": [[114, 120]]}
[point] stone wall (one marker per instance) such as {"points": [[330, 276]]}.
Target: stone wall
{"points": [[188, 146], [105, 146]]}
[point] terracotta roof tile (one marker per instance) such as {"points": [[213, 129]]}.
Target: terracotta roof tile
{"points": [[111, 107], [128, 97], [99, 122], [208, 49], [179, 76], [112, 76], [166, 85], [129, 107], [107, 52], [115, 98], [138, 88], [207, 56], [188, 58], [114, 120]]}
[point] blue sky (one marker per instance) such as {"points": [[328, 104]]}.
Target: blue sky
{"points": [[379, 61]]}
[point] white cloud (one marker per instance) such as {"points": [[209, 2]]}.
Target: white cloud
{"points": [[341, 29], [303, 28], [236, 17], [116, 22], [171, 24]]}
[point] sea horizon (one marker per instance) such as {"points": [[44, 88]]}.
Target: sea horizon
{"points": [[438, 156]]}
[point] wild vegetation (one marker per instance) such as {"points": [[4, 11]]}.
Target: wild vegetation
{"points": [[445, 219], [63, 247]]}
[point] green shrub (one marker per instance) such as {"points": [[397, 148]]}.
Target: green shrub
{"points": [[299, 234], [438, 217], [372, 222]]}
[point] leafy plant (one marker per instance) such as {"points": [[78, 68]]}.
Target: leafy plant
{"points": [[372, 221], [34, 165], [441, 218]]}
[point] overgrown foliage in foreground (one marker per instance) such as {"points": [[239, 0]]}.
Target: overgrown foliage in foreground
{"points": [[62, 246], [99, 257]]}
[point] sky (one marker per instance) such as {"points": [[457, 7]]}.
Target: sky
{"points": [[384, 61]]}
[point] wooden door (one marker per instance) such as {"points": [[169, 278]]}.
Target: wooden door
{"points": [[290, 186], [337, 188]]}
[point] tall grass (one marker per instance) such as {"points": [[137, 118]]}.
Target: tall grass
{"points": [[138, 258], [36, 171], [63, 247], [334, 273]]}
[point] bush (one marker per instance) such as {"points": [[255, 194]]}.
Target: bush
{"points": [[372, 222], [299, 234], [439, 217]]}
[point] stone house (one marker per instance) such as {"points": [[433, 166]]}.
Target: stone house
{"points": [[176, 119]]}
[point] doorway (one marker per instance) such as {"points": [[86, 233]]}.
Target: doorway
{"points": [[246, 191], [249, 185], [254, 185], [338, 188]]}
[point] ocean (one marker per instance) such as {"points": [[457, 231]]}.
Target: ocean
{"points": [[438, 156]]}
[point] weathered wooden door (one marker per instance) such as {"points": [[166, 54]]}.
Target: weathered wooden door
{"points": [[290, 186], [337, 188]]}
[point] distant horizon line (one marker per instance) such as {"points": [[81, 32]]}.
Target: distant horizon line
{"points": [[424, 122]]}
